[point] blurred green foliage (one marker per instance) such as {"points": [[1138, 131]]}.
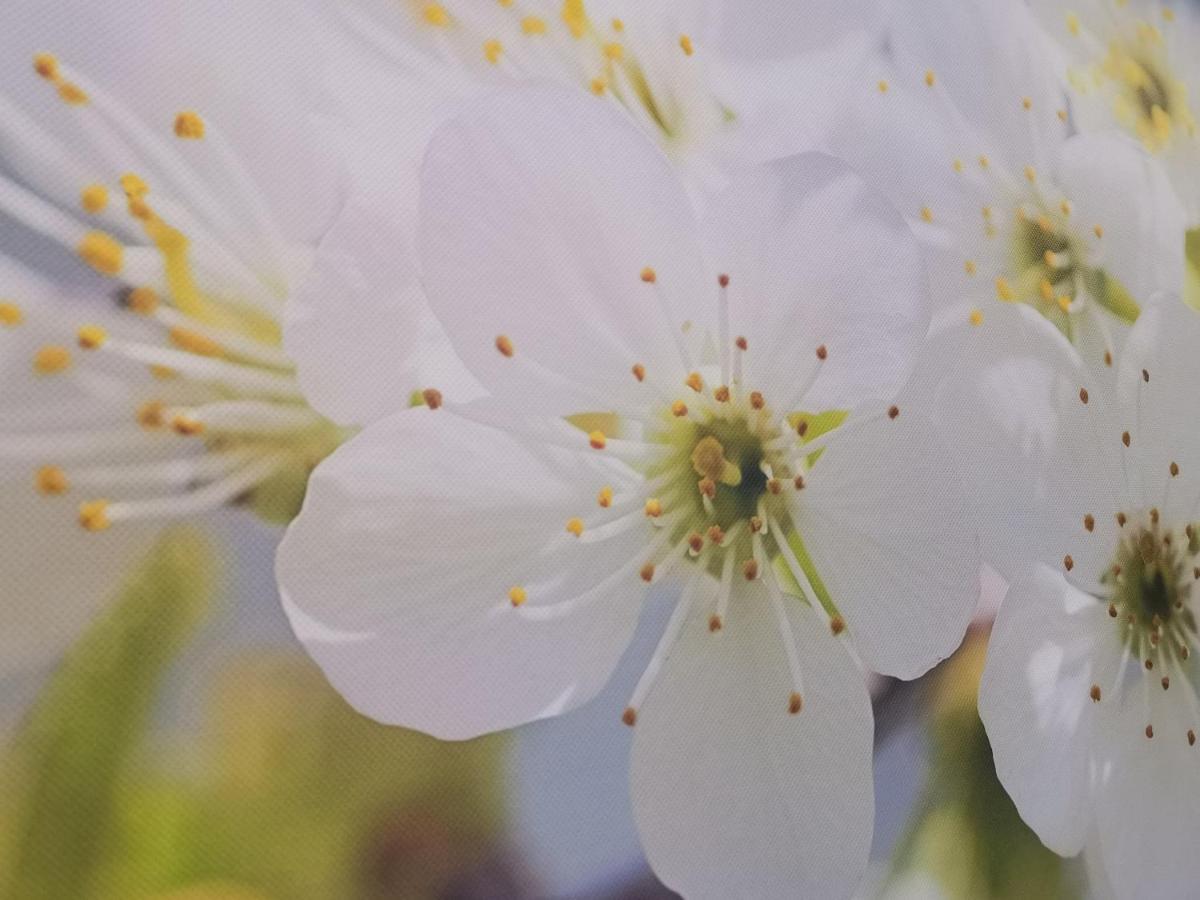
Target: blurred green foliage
{"points": [[968, 837], [280, 792]]}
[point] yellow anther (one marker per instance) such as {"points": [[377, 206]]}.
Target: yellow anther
{"points": [[91, 336], [1044, 223], [756, 400], [1065, 207], [969, 267], [976, 317], [46, 66], [1030, 174], [72, 93], [930, 78], [187, 426], [93, 198], [11, 315], [1073, 24], [648, 275], [1046, 289], [614, 51], [142, 300], [533, 25], [721, 394], [679, 409], [575, 18], [492, 50], [189, 125], [505, 345], [605, 497], [598, 86], [517, 595], [51, 359], [93, 515], [1062, 115], [1004, 290], [708, 460], [597, 440], [883, 86], [958, 165], [575, 527], [150, 414], [435, 14], [1064, 302], [653, 508], [133, 185], [1027, 103], [639, 372], [618, 25], [51, 481], [1050, 258], [102, 252], [926, 214], [193, 342], [695, 382], [1098, 231], [685, 44], [162, 373], [984, 162]]}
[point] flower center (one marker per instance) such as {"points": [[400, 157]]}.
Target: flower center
{"points": [[1149, 100], [1151, 579]]}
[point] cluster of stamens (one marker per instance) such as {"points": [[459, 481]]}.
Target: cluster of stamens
{"points": [[226, 421]]}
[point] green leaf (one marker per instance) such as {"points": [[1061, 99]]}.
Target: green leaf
{"points": [[1191, 274], [61, 779]]}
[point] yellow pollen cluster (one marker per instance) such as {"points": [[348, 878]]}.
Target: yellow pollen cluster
{"points": [[51, 481], [142, 300], [91, 337], [93, 515], [11, 315], [93, 198], [189, 126], [102, 252], [51, 359]]}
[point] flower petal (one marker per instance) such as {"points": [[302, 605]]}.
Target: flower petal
{"points": [[1051, 643], [540, 208], [733, 796], [1114, 184], [1145, 800], [887, 525], [397, 575], [815, 257]]}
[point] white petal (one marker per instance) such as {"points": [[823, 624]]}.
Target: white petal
{"points": [[1051, 643], [540, 208], [1161, 413], [888, 527], [1009, 405], [989, 56], [397, 575], [1114, 184], [1145, 800], [816, 257], [353, 327], [735, 797], [760, 29]]}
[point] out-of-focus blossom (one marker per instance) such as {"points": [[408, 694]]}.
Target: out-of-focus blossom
{"points": [[964, 124], [163, 190], [715, 85], [702, 402], [1089, 694], [1132, 64]]}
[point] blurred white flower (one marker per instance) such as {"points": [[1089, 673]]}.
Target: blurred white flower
{"points": [[1089, 694], [171, 218], [668, 401], [964, 125], [1133, 65], [715, 85]]}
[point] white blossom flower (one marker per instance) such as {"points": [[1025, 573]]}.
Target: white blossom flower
{"points": [[715, 85], [964, 125], [155, 225], [668, 400], [1089, 694], [1133, 65]]}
